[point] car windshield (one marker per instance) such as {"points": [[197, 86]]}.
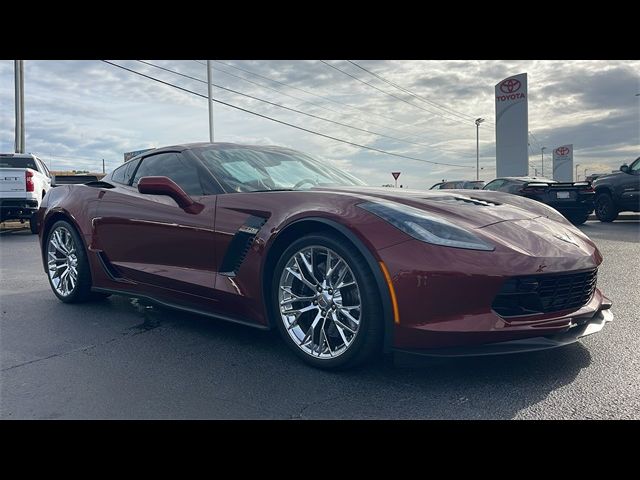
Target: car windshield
{"points": [[246, 169]]}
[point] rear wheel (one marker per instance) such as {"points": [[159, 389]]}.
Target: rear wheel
{"points": [[325, 302], [67, 265], [606, 210]]}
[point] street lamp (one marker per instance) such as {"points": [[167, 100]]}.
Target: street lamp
{"points": [[542, 149], [577, 165], [478, 122]]}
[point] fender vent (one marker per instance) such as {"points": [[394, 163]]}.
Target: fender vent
{"points": [[240, 245]]}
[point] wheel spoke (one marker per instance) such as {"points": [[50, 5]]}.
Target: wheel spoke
{"points": [[300, 311], [348, 315], [300, 277], [307, 265]]}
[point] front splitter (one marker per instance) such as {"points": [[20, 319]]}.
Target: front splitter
{"points": [[580, 328]]}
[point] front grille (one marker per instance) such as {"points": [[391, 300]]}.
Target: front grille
{"points": [[535, 294]]}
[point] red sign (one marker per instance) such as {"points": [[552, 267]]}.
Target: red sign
{"points": [[395, 174], [562, 151], [510, 86]]}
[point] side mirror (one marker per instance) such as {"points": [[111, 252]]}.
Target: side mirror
{"points": [[166, 186], [625, 168], [53, 181]]}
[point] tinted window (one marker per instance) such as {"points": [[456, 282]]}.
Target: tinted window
{"points": [[45, 169], [495, 185], [18, 162], [124, 173], [437, 186], [635, 166], [174, 166]]}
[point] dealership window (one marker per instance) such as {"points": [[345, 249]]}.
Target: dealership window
{"points": [[174, 166]]}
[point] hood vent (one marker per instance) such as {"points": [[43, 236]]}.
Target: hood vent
{"points": [[452, 199]]}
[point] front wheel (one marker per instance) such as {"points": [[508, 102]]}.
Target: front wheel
{"points": [[606, 210], [326, 303]]}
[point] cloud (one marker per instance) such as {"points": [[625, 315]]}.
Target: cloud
{"points": [[78, 112]]}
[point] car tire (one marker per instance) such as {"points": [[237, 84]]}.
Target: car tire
{"points": [[578, 219], [33, 224], [81, 289], [605, 208], [353, 344]]}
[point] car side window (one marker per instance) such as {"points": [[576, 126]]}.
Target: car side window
{"points": [[635, 167], [495, 185], [174, 166], [124, 173]]}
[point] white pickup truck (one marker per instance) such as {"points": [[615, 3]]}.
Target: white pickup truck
{"points": [[24, 181]]}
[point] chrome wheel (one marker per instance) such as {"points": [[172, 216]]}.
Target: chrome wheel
{"points": [[62, 261], [319, 302]]}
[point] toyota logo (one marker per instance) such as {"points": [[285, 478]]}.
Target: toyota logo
{"points": [[511, 85], [562, 151]]}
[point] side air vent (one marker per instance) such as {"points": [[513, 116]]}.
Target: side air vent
{"points": [[240, 245]]}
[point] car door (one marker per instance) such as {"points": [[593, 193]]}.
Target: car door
{"points": [[149, 239], [629, 188]]}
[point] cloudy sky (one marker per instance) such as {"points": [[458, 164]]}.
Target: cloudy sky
{"points": [[79, 112]]}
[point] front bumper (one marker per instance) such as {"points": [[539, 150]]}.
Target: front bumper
{"points": [[580, 327]]}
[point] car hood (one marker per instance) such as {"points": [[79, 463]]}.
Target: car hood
{"points": [[475, 208]]}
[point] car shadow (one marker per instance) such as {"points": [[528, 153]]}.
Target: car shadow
{"points": [[496, 387]]}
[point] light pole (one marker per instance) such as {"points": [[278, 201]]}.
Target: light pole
{"points": [[542, 149], [577, 165], [209, 89], [18, 68], [478, 122]]}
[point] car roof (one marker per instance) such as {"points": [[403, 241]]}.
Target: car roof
{"points": [[17, 155], [221, 145], [526, 179]]}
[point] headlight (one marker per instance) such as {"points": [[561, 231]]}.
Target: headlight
{"points": [[424, 227]]}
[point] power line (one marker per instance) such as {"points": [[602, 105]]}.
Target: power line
{"points": [[283, 122], [392, 95], [325, 98], [300, 112], [448, 110], [303, 100]]}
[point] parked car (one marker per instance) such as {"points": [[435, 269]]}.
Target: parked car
{"points": [[618, 192], [271, 238], [574, 200], [459, 184], [24, 181]]}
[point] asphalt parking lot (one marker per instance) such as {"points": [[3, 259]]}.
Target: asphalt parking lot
{"points": [[120, 359]]}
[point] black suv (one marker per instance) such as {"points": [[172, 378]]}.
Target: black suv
{"points": [[574, 200], [618, 192]]}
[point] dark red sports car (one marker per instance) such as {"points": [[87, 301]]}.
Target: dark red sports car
{"points": [[272, 238]]}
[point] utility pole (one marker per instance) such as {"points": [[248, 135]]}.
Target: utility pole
{"points": [[103, 165], [209, 91], [478, 122], [18, 67], [542, 150]]}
